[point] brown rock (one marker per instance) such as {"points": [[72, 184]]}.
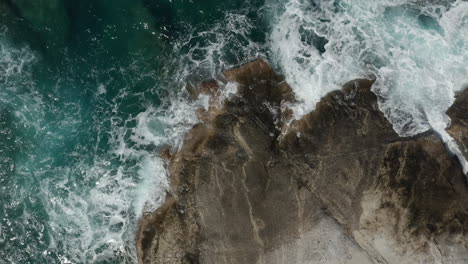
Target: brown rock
{"points": [[337, 186], [458, 112]]}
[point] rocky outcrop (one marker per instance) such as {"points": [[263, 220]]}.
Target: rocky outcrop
{"points": [[337, 186], [458, 112]]}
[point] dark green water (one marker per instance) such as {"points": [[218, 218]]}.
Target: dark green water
{"points": [[90, 90], [87, 92]]}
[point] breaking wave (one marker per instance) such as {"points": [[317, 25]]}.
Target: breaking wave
{"points": [[416, 50], [79, 159]]}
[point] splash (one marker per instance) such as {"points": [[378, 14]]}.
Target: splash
{"points": [[80, 142], [87, 137], [416, 50]]}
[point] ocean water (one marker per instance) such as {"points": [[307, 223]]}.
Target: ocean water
{"points": [[92, 90], [417, 50]]}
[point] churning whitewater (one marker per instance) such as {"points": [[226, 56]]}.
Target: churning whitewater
{"points": [[416, 50], [87, 104]]}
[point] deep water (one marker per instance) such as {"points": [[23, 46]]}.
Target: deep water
{"points": [[91, 90]]}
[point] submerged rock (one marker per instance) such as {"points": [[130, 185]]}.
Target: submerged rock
{"points": [[337, 186]]}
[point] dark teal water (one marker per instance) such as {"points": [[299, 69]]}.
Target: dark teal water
{"points": [[91, 90], [86, 100]]}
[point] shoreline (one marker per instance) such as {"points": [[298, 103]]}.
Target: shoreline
{"points": [[248, 186]]}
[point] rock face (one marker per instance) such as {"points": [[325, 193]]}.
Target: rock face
{"points": [[458, 112], [337, 186]]}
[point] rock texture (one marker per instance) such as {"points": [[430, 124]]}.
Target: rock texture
{"points": [[458, 112], [337, 186]]}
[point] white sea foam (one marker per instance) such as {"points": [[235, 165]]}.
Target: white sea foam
{"points": [[15, 74], [225, 44], [13, 61], [228, 90], [100, 224], [167, 125], [104, 219], [151, 190], [94, 202], [418, 69], [92, 207], [417, 50]]}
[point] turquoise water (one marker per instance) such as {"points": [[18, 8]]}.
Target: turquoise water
{"points": [[86, 89], [91, 90]]}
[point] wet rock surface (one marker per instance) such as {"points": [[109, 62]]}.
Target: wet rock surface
{"points": [[458, 112], [337, 186]]}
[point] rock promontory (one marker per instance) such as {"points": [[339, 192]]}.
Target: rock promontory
{"points": [[337, 186]]}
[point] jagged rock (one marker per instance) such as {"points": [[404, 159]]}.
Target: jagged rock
{"points": [[337, 186], [458, 112]]}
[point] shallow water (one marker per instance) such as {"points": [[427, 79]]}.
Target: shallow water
{"points": [[91, 90]]}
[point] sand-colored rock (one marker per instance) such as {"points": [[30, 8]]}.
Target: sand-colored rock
{"points": [[337, 186]]}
